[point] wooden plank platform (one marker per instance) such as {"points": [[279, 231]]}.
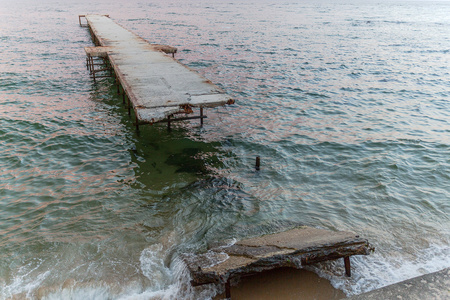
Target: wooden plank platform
{"points": [[157, 86], [293, 248]]}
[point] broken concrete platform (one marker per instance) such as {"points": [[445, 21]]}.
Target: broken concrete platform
{"points": [[293, 248]]}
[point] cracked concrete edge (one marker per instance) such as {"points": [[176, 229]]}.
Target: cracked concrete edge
{"points": [[430, 286]]}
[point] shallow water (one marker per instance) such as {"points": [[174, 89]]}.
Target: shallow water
{"points": [[346, 103]]}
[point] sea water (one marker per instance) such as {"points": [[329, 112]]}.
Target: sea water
{"points": [[346, 102]]}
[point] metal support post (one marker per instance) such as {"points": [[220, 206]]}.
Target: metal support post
{"points": [[201, 116], [347, 266], [227, 290], [92, 68], [137, 123]]}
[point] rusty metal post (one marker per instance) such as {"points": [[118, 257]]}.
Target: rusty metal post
{"points": [[227, 290], [168, 123], [92, 68], [92, 64], [348, 271], [258, 163], [201, 116], [89, 64], [137, 122]]}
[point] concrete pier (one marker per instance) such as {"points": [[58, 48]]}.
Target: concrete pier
{"points": [[156, 86]]}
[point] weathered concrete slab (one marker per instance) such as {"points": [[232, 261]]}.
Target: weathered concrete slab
{"points": [[431, 286], [293, 248], [97, 51], [156, 84]]}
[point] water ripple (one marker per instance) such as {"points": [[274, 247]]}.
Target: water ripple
{"points": [[345, 103]]}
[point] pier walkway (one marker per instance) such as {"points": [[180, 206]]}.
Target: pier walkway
{"points": [[157, 86]]}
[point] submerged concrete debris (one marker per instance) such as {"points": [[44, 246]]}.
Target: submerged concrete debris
{"points": [[293, 248]]}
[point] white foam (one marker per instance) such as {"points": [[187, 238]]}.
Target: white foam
{"points": [[379, 269], [229, 243], [160, 277], [85, 292], [179, 287], [166, 282], [172, 281], [24, 282], [152, 265]]}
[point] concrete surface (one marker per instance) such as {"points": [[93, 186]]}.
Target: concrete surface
{"points": [[156, 84], [434, 286], [293, 248]]}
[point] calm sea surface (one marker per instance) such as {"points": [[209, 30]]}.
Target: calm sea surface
{"points": [[347, 103]]}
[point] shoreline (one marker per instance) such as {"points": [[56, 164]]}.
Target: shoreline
{"points": [[284, 283], [429, 286], [290, 283]]}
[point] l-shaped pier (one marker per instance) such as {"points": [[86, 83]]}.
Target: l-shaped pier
{"points": [[155, 85]]}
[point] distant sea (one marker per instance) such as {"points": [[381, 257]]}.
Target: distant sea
{"points": [[346, 102]]}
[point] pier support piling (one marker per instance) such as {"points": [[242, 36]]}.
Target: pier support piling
{"points": [[258, 163], [137, 123], [227, 290], [201, 116], [118, 86], [348, 271]]}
